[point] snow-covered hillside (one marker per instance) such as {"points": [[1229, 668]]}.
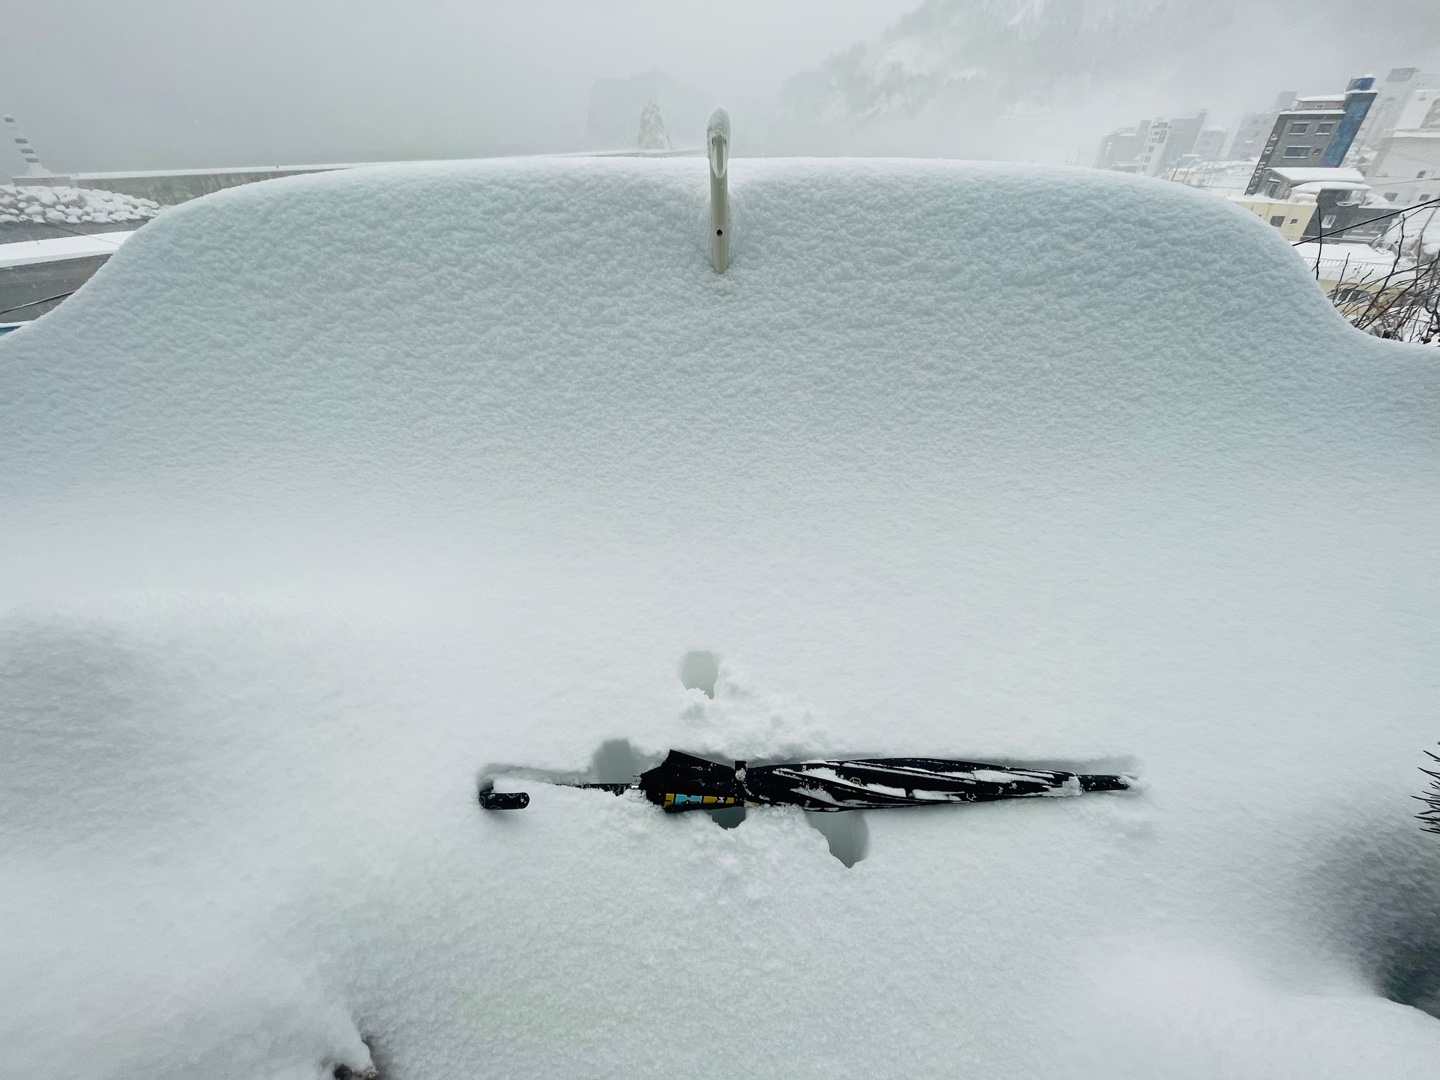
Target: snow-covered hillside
{"points": [[1043, 80], [971, 74], [318, 502]]}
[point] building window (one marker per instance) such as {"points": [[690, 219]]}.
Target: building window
{"points": [[1328, 221], [1420, 175], [1317, 150], [1278, 220], [1296, 151], [1299, 128], [1391, 196], [1324, 129]]}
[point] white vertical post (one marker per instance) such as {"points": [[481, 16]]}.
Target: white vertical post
{"points": [[717, 146]]}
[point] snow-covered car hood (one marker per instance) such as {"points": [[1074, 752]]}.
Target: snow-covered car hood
{"points": [[329, 492]]}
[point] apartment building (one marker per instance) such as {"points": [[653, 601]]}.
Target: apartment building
{"points": [[1406, 168], [1316, 131]]}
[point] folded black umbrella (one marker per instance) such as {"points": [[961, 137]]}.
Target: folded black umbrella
{"points": [[684, 782]]}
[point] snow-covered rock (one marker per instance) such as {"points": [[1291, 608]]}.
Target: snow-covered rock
{"points": [[652, 129], [318, 501], [615, 104], [72, 205]]}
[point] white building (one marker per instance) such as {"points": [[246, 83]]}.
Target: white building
{"points": [[1391, 104], [1152, 155], [1406, 167]]}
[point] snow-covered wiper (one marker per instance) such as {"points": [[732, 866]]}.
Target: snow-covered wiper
{"points": [[684, 782]]}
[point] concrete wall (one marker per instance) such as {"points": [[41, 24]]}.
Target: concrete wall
{"points": [[25, 291], [171, 188]]}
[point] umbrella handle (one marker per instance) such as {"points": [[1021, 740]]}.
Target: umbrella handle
{"points": [[504, 800], [490, 799]]}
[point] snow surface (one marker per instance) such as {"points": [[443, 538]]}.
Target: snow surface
{"points": [[327, 493]]}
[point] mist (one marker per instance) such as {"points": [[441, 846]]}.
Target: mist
{"points": [[169, 83], [166, 84]]}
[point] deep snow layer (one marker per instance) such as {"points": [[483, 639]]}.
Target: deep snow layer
{"points": [[319, 501]]}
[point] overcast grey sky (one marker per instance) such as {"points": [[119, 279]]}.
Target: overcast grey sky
{"points": [[165, 83], [130, 84]]}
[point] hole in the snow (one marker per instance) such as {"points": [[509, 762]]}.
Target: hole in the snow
{"points": [[699, 671], [732, 818], [846, 833], [615, 761], [374, 1071]]}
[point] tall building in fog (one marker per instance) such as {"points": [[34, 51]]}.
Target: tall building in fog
{"points": [[1151, 146], [1406, 166], [1120, 148], [1210, 144], [1391, 99], [1255, 128], [1152, 154]]}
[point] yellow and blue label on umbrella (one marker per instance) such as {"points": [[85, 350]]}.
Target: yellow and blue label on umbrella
{"points": [[698, 802]]}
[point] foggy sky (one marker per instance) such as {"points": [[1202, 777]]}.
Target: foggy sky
{"points": [[173, 83], [138, 84]]}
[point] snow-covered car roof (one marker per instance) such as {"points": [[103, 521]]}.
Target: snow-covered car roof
{"points": [[326, 493]]}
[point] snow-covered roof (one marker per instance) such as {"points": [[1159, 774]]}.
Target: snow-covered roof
{"points": [[1340, 175], [1268, 200], [323, 496], [1361, 260], [1327, 185], [60, 248]]}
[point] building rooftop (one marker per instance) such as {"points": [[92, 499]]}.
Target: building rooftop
{"points": [[1338, 176], [1355, 262]]}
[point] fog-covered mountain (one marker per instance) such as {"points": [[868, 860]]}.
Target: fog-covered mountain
{"points": [[1002, 51], [1034, 78]]}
